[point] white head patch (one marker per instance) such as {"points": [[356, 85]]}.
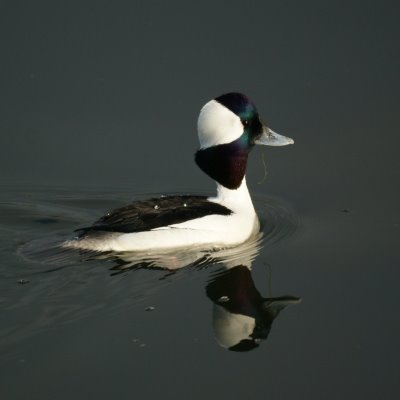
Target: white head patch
{"points": [[217, 125]]}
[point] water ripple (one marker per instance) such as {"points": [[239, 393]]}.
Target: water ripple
{"points": [[63, 285]]}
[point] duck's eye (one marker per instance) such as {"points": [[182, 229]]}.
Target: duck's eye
{"points": [[245, 122]]}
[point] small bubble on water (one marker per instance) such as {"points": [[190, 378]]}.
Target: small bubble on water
{"points": [[23, 281], [150, 308], [156, 207]]}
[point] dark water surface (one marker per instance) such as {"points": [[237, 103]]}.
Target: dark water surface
{"points": [[98, 106]]}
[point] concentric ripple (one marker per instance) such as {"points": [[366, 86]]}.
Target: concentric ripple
{"points": [[277, 222], [59, 285]]}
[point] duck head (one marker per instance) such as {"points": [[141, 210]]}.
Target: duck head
{"points": [[228, 127]]}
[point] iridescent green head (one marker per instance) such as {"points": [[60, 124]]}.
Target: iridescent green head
{"points": [[228, 127]]}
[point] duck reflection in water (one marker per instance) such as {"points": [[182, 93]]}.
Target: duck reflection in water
{"points": [[242, 317]]}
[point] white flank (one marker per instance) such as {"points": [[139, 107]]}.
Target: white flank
{"points": [[212, 231]]}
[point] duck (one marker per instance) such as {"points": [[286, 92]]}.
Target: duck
{"points": [[228, 128]]}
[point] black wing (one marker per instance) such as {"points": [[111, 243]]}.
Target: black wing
{"points": [[155, 213]]}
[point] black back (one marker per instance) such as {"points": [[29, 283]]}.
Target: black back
{"points": [[145, 215]]}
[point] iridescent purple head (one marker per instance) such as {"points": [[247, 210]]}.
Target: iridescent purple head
{"points": [[228, 127]]}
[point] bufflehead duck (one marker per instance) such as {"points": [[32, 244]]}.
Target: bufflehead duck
{"points": [[228, 128]]}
